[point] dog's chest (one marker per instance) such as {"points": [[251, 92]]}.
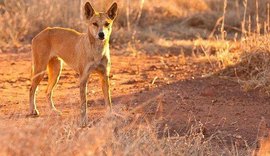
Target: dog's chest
{"points": [[95, 54], [91, 55], [98, 53]]}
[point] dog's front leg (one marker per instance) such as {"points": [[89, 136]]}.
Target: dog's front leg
{"points": [[83, 95], [106, 90]]}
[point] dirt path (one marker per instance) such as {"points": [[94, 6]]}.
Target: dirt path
{"points": [[168, 88]]}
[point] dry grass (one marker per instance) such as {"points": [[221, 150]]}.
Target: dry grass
{"points": [[17, 24], [251, 66], [119, 134], [21, 21], [254, 63]]}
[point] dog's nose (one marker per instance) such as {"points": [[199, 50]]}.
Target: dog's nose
{"points": [[101, 35]]}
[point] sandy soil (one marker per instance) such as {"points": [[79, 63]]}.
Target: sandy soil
{"points": [[169, 88]]}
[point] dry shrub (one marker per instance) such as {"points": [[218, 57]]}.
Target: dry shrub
{"points": [[252, 67], [249, 62], [24, 19], [254, 64], [14, 24]]}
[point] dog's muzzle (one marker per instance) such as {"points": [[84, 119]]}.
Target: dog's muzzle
{"points": [[101, 35]]}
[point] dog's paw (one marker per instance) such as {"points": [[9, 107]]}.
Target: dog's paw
{"points": [[109, 109], [56, 112], [83, 122], [33, 113]]}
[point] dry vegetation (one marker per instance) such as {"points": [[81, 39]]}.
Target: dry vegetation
{"points": [[233, 39], [121, 133]]}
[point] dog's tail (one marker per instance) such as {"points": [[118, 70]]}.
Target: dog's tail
{"points": [[33, 74], [32, 64]]}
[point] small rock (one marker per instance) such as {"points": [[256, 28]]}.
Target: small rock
{"points": [[208, 92], [153, 67], [132, 81], [237, 136]]}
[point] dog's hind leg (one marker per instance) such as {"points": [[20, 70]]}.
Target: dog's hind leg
{"points": [[54, 70]]}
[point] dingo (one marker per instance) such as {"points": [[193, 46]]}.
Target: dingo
{"points": [[85, 53]]}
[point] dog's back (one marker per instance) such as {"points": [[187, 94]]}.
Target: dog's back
{"points": [[52, 42], [56, 38]]}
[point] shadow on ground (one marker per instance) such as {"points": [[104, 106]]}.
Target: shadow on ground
{"points": [[219, 104]]}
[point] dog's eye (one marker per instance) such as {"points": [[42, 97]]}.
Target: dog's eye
{"points": [[95, 24], [106, 24]]}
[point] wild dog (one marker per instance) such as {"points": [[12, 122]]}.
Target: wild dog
{"points": [[84, 52]]}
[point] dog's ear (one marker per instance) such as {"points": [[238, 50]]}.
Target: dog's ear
{"points": [[88, 10], [112, 12]]}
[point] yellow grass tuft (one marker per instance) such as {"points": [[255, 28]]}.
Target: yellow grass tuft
{"points": [[253, 67]]}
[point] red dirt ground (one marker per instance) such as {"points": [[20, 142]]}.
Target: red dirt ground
{"points": [[166, 87]]}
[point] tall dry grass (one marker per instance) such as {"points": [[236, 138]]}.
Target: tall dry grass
{"points": [[249, 63], [142, 21], [20, 20]]}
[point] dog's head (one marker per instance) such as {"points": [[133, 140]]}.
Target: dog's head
{"points": [[100, 23]]}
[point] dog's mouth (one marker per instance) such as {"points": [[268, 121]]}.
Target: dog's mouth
{"points": [[101, 38]]}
